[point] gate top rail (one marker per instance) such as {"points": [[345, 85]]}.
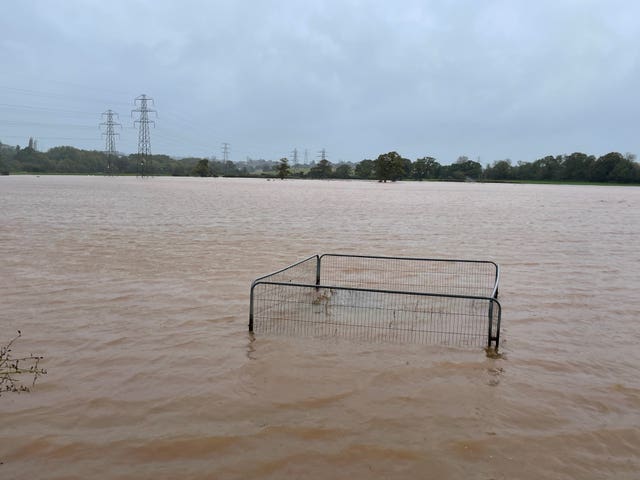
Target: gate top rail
{"points": [[477, 277], [319, 257], [405, 258]]}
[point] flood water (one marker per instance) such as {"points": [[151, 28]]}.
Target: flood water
{"points": [[136, 292]]}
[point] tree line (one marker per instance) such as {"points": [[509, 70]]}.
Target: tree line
{"points": [[391, 166]]}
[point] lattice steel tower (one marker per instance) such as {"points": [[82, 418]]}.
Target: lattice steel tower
{"points": [[144, 163], [225, 151], [110, 139], [225, 157]]}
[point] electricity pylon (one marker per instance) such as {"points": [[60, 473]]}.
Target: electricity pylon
{"points": [[225, 157], [110, 139], [144, 162]]}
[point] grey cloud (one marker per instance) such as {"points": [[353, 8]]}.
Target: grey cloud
{"points": [[492, 79]]}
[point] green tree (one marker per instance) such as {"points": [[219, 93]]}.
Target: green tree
{"points": [[576, 166], [283, 170], [216, 166], [30, 160], [614, 167], [547, 168], [602, 167], [425, 167], [7, 158], [202, 168], [343, 171], [623, 171], [433, 167], [407, 168], [419, 170], [462, 169], [323, 169], [365, 169], [499, 170], [389, 166], [523, 170]]}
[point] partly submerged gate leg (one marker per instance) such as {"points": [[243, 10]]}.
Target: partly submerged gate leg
{"points": [[251, 309], [317, 271], [492, 350]]}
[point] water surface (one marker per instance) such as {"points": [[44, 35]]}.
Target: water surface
{"points": [[136, 292]]}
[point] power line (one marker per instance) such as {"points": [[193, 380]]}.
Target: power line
{"points": [[144, 163], [45, 109], [54, 138], [110, 138], [19, 123], [43, 94]]}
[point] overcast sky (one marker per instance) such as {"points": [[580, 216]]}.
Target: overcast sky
{"points": [[486, 79]]}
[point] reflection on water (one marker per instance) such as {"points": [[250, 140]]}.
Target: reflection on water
{"points": [[250, 347], [136, 292]]}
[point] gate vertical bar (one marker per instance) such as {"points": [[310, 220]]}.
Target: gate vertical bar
{"points": [[490, 325], [317, 270], [498, 326], [251, 310]]}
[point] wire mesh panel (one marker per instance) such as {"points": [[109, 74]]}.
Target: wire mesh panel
{"points": [[370, 315], [304, 272], [301, 272], [456, 277], [449, 302]]}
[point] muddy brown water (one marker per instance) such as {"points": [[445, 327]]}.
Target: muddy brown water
{"points": [[136, 292]]}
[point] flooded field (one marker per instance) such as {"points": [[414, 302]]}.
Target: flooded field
{"points": [[136, 293]]}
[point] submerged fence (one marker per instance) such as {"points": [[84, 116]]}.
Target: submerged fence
{"points": [[436, 301]]}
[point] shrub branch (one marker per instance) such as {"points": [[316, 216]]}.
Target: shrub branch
{"points": [[11, 368]]}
